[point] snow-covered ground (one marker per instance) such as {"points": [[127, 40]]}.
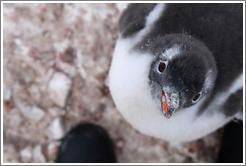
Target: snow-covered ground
{"points": [[56, 59]]}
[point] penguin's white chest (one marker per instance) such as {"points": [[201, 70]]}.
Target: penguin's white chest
{"points": [[128, 79]]}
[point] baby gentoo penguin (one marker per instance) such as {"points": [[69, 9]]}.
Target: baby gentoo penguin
{"points": [[177, 69]]}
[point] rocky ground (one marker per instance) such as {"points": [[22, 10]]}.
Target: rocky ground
{"points": [[56, 59]]}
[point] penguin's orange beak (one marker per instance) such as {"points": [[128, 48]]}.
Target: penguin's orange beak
{"points": [[165, 105]]}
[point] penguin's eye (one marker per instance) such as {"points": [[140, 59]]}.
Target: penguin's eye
{"points": [[161, 67], [196, 98]]}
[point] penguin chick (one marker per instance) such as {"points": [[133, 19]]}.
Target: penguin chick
{"points": [[177, 67]]}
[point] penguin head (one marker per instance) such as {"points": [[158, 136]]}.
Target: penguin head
{"points": [[182, 73]]}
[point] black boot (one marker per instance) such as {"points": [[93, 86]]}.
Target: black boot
{"points": [[86, 143], [231, 148]]}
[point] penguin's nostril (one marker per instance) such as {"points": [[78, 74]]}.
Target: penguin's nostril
{"points": [[161, 67]]}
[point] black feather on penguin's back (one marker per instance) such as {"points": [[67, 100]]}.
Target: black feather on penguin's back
{"points": [[133, 18]]}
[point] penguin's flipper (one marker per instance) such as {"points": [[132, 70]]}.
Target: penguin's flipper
{"points": [[234, 103], [133, 18], [231, 148]]}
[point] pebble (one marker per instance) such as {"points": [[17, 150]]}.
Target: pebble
{"points": [[53, 149], [7, 92], [58, 88], [26, 154], [38, 156], [32, 112], [120, 143], [66, 68], [10, 154], [55, 111], [34, 92], [56, 130]]}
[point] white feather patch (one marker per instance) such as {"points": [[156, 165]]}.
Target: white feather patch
{"points": [[170, 53], [150, 20]]}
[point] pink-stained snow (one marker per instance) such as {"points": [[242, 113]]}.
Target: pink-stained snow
{"points": [[56, 59]]}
